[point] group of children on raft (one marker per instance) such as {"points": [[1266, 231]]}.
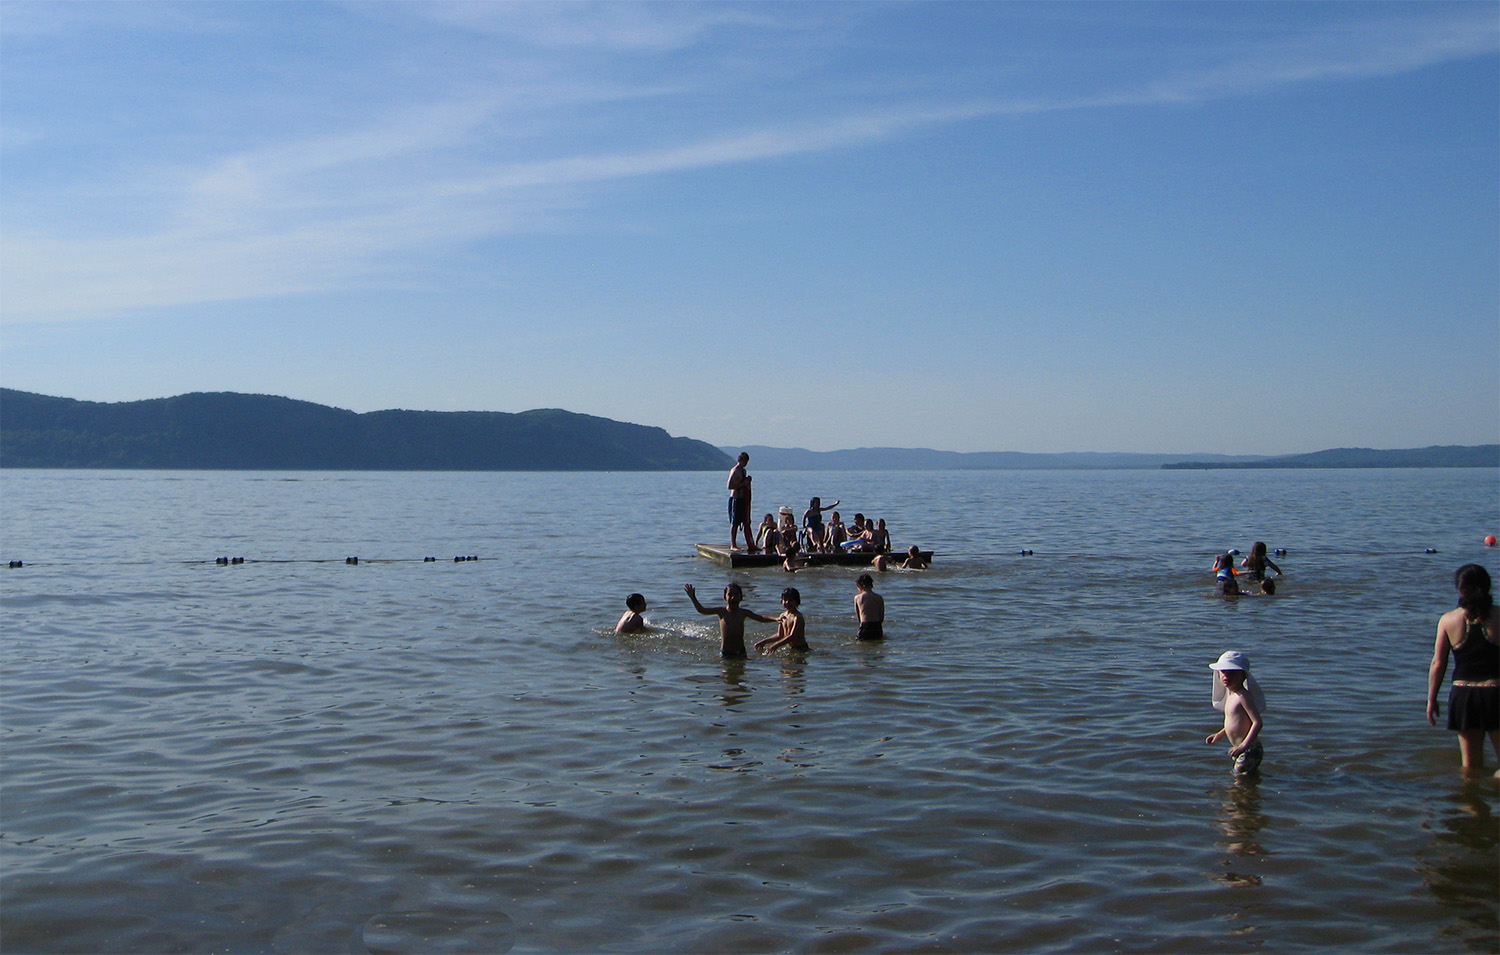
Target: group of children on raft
{"points": [[783, 537]]}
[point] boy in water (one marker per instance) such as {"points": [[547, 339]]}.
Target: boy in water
{"points": [[731, 619], [869, 607], [632, 621], [790, 632], [1241, 700]]}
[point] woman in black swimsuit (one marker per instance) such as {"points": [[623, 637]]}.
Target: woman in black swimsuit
{"points": [[1471, 634]]}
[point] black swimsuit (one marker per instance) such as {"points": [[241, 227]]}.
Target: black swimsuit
{"points": [[1476, 660]]}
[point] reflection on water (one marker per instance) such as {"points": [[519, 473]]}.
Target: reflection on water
{"points": [[1240, 822], [1461, 864], [412, 756]]}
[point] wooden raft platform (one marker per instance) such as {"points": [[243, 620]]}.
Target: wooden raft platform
{"points": [[721, 555]]}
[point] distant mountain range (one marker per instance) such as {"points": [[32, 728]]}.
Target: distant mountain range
{"points": [[1436, 456], [232, 431], [262, 432], [922, 459]]}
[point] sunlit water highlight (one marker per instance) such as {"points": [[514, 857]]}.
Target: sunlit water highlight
{"points": [[297, 754]]}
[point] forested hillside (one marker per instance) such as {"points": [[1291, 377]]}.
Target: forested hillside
{"points": [[261, 432]]}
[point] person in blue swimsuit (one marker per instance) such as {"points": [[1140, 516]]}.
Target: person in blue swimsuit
{"points": [[1224, 583], [812, 524]]}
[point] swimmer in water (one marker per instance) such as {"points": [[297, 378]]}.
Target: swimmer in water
{"points": [[1256, 562], [914, 559], [731, 619], [791, 627], [1224, 583], [632, 621], [869, 608]]}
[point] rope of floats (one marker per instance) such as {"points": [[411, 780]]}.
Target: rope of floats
{"points": [[231, 561]]}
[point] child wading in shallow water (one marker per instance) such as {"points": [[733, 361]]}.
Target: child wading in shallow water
{"points": [[731, 619], [1239, 697], [869, 609], [790, 633]]}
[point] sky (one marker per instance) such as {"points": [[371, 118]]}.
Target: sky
{"points": [[1241, 228]]}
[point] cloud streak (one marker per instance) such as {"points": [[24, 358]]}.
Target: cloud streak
{"points": [[341, 210]]}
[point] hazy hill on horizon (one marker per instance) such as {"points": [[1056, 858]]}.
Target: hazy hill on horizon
{"points": [[925, 459], [232, 431]]}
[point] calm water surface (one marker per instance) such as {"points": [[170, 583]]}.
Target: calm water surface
{"points": [[296, 754]]}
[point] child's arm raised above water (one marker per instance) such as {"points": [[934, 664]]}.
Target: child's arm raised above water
{"points": [[706, 611]]}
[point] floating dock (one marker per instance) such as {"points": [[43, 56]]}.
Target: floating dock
{"points": [[723, 556]]}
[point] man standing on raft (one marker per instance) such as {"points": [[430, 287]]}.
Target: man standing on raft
{"points": [[739, 503]]}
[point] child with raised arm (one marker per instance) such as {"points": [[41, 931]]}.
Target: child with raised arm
{"points": [[1238, 696], [790, 631], [869, 607], [632, 621], [812, 523], [731, 619]]}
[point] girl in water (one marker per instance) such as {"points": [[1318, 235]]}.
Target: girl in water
{"points": [[1256, 563], [1471, 634]]}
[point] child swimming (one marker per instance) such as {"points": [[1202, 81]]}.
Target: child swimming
{"points": [[632, 621], [1224, 583], [1239, 697]]}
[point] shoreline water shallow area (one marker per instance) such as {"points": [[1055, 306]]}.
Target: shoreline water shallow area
{"points": [[298, 754]]}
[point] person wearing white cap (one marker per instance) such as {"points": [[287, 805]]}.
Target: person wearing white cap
{"points": [[1240, 699]]}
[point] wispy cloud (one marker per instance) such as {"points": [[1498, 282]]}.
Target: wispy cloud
{"points": [[336, 210]]}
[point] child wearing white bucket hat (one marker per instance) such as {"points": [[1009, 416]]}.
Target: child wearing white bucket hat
{"points": [[1240, 699]]}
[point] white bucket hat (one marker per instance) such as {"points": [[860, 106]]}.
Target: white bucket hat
{"points": [[1235, 660]]}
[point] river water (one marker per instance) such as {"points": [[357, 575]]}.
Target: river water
{"points": [[300, 754]]}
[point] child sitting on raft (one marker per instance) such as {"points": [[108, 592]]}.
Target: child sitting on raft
{"points": [[812, 523], [833, 540], [766, 536]]}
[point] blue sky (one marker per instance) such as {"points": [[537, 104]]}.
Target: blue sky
{"points": [[1251, 228]]}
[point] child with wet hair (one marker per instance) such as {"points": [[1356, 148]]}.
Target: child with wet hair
{"points": [[731, 619], [791, 627], [632, 621]]}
